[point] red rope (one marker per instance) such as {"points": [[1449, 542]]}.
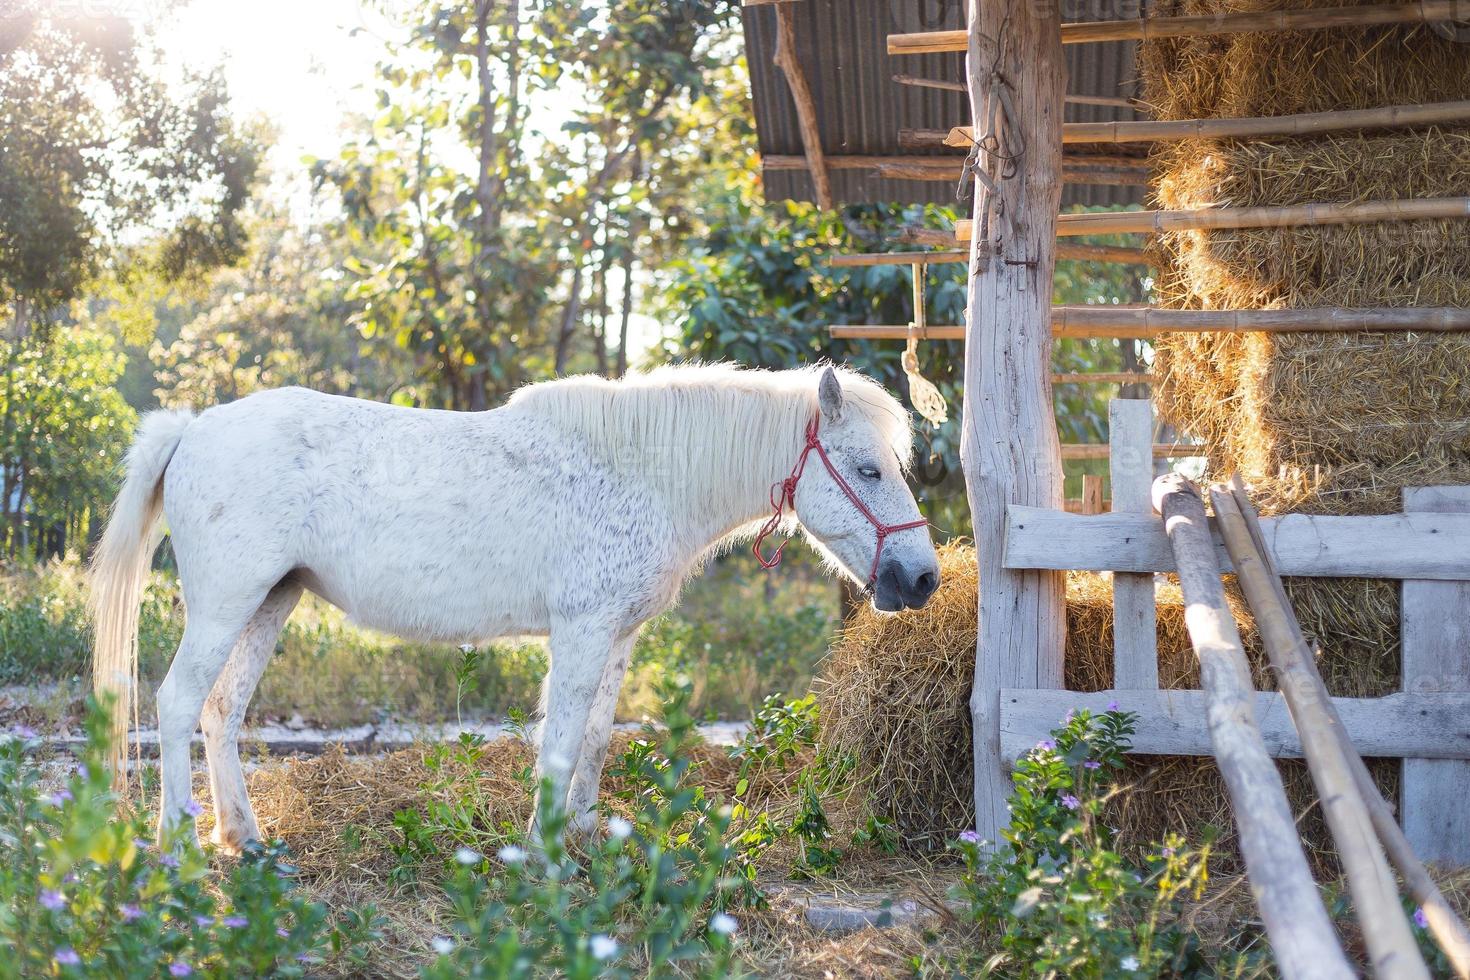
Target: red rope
{"points": [[783, 494]]}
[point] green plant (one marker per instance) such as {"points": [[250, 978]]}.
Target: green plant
{"points": [[1058, 897], [83, 892], [649, 895]]}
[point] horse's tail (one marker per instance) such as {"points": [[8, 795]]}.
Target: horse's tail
{"points": [[120, 569]]}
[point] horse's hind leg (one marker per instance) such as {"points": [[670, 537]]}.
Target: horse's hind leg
{"points": [[582, 799], [224, 713]]}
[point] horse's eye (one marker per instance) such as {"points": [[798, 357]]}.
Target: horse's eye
{"points": [[870, 472]]}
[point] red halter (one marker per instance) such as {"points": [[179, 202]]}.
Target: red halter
{"points": [[784, 493]]}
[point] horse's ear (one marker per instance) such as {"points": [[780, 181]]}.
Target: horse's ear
{"points": [[829, 396]]}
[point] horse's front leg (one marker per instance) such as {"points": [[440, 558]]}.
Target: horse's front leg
{"points": [[579, 652], [582, 801]]}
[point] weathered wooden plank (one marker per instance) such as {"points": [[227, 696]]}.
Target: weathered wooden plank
{"points": [[1436, 657], [1433, 546], [1009, 445], [1434, 726], [1131, 470], [1302, 936]]}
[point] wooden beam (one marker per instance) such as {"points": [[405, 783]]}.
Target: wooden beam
{"points": [[1436, 657], [1300, 124], [1301, 934], [789, 62], [895, 258], [1009, 448], [950, 168], [1392, 949], [1131, 473], [1433, 725], [1101, 450], [1091, 322], [1213, 25], [1407, 546]]}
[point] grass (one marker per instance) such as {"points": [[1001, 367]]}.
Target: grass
{"points": [[738, 636]]}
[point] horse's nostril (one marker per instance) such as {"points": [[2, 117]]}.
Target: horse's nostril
{"points": [[926, 584]]}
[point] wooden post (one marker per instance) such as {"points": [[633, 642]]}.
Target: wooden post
{"points": [[1092, 494], [787, 60], [1131, 470], [1436, 657], [1009, 446], [1297, 924], [1392, 949]]}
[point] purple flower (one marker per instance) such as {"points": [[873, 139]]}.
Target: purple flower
{"points": [[66, 956], [1071, 713], [193, 809], [969, 837], [131, 913], [1047, 745], [52, 899], [204, 921], [24, 732], [282, 933], [56, 799], [1113, 705], [179, 968], [1070, 802], [235, 921], [82, 771], [168, 860], [142, 844], [1420, 919], [1092, 764], [1168, 852]]}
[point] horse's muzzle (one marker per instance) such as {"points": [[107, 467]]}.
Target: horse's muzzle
{"points": [[898, 588]]}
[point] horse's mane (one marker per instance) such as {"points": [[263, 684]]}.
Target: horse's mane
{"points": [[716, 425]]}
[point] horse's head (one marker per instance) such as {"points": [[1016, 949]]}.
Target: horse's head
{"points": [[888, 548]]}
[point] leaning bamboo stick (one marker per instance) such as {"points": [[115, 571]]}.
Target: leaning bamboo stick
{"points": [[1161, 450], [1211, 25], [1141, 323], [1118, 102], [1300, 124], [1444, 925], [1292, 216], [1297, 924], [787, 61], [1391, 946]]}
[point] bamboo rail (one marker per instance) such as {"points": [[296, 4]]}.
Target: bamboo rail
{"points": [[1293, 216], [1103, 377], [896, 258], [1391, 946], [1300, 124], [1117, 102], [1139, 323], [931, 236], [950, 168], [1297, 664], [1100, 450], [1211, 25], [1301, 934]]}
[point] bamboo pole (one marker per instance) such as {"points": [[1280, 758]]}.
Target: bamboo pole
{"points": [[1161, 450], [1391, 947], [787, 60], [1297, 924], [1300, 124], [1293, 216], [951, 168], [1065, 250], [1212, 25], [1141, 323], [895, 258], [1444, 925], [1103, 377]]}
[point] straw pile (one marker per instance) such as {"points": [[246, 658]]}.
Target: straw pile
{"points": [[895, 695], [1318, 423]]}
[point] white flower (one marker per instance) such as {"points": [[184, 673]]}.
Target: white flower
{"points": [[619, 828], [510, 854], [1129, 963], [724, 924], [604, 947], [467, 855], [443, 945]]}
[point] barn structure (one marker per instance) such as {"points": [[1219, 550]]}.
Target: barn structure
{"points": [[1298, 174]]}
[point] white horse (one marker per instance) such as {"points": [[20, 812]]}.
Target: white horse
{"points": [[577, 510]]}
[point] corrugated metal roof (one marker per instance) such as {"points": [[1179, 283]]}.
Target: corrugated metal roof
{"points": [[860, 108]]}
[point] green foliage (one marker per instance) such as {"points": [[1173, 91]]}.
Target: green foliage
{"points": [[83, 893], [644, 899], [63, 427], [1060, 900]]}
